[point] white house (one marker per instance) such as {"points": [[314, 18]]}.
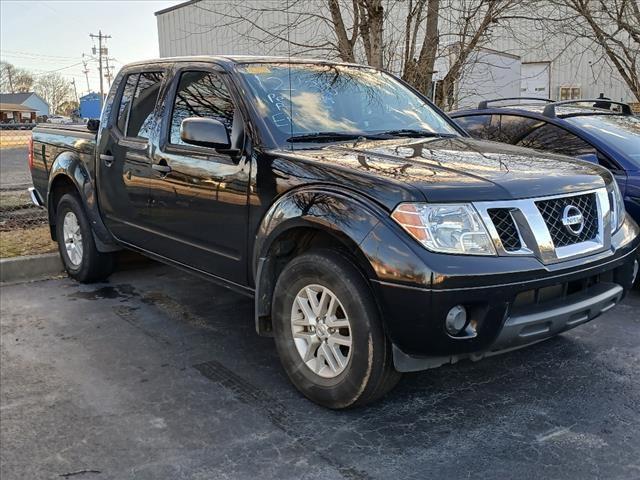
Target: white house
{"points": [[518, 61], [28, 99]]}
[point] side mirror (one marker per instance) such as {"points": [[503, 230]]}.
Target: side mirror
{"points": [[93, 125], [205, 132], [589, 157]]}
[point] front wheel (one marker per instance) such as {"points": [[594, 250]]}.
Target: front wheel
{"points": [[328, 332], [78, 251]]}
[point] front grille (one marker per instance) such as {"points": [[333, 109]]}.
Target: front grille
{"points": [[552, 210], [506, 228]]}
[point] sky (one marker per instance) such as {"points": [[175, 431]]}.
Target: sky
{"points": [[46, 35]]}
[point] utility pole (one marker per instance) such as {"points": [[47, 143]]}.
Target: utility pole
{"points": [[8, 68], [109, 69], [86, 73], [75, 90], [101, 52]]}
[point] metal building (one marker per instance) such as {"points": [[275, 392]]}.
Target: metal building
{"points": [[90, 105], [519, 60]]}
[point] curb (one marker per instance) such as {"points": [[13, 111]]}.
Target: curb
{"points": [[30, 267]]}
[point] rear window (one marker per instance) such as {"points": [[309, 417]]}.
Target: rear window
{"points": [[144, 102], [137, 104], [125, 101], [557, 140]]}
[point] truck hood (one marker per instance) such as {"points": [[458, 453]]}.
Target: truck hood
{"points": [[461, 169]]}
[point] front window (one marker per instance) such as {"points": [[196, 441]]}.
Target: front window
{"points": [[200, 94], [620, 131], [311, 102]]}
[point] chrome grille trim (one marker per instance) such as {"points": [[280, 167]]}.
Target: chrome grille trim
{"points": [[506, 228], [534, 233], [552, 212]]}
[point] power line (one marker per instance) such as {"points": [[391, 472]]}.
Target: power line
{"points": [[57, 69], [31, 54]]}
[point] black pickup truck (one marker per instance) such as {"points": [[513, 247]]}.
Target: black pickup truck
{"points": [[375, 235]]}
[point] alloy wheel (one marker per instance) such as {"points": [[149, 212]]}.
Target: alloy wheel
{"points": [[72, 238], [321, 331]]}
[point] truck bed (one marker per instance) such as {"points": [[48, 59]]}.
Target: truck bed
{"points": [[52, 140], [60, 129]]}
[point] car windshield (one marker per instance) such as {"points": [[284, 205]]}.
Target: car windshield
{"points": [[322, 102], [621, 131]]}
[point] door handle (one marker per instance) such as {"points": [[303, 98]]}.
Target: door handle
{"points": [[106, 159], [161, 168]]}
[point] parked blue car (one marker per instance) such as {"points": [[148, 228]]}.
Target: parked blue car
{"points": [[599, 131]]}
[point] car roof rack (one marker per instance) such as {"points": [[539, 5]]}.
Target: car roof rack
{"points": [[483, 104], [550, 110]]}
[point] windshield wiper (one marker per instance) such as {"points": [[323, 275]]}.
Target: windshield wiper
{"points": [[324, 137], [410, 132], [341, 136]]}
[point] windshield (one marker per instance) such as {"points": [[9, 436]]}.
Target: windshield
{"points": [[334, 102], [620, 131]]}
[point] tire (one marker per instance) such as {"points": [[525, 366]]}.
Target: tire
{"points": [[78, 251], [364, 370]]}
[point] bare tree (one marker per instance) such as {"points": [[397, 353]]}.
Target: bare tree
{"points": [[419, 70], [68, 108], [14, 80], [613, 26], [372, 30], [349, 30], [54, 89], [472, 25], [404, 36]]}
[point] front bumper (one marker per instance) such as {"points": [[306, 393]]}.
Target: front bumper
{"points": [[536, 325], [512, 303], [555, 317]]}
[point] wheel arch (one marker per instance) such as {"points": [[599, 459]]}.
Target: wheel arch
{"points": [[69, 174], [304, 219]]}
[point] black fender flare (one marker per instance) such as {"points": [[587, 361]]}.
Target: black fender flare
{"points": [[70, 166], [346, 215]]}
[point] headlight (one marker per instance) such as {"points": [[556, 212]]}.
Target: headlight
{"points": [[617, 207], [445, 228]]}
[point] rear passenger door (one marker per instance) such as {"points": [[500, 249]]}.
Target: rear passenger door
{"points": [[124, 164]]}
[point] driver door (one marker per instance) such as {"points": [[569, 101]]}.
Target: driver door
{"points": [[198, 195]]}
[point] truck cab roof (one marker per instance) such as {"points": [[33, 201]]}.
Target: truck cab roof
{"points": [[230, 60]]}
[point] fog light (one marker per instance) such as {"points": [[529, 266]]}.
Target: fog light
{"points": [[456, 320], [636, 266]]}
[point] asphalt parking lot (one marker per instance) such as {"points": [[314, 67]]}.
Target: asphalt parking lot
{"points": [[159, 375]]}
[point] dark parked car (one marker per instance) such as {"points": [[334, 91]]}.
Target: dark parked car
{"points": [[375, 236], [598, 131]]}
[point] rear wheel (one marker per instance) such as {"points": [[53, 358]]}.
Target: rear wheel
{"points": [[77, 248], [328, 332]]}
